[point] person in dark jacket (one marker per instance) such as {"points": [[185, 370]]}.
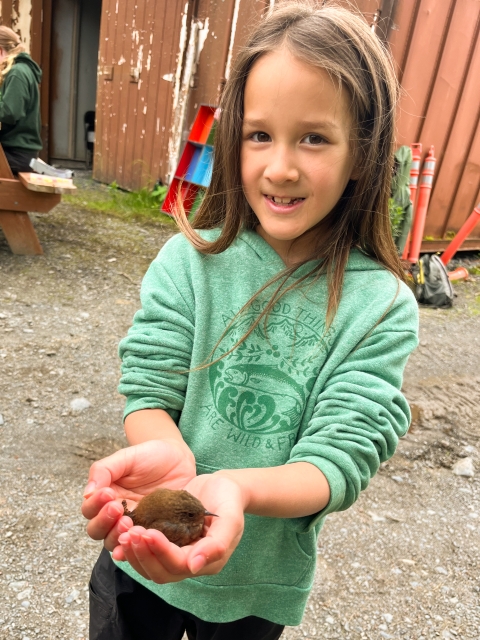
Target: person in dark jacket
{"points": [[19, 102]]}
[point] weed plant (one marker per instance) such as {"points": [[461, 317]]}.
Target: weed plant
{"points": [[139, 205]]}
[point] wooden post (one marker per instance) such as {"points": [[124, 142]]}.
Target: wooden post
{"points": [[20, 234], [15, 202]]}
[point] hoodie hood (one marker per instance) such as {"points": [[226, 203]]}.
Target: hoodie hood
{"points": [[24, 58]]}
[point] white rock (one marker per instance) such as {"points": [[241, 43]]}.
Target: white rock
{"points": [[17, 585], [464, 467], [2, 421], [387, 617], [375, 517], [25, 604], [73, 596], [79, 404], [441, 570], [24, 594], [397, 478], [330, 620]]}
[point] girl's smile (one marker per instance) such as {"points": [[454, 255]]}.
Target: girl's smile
{"points": [[296, 152], [283, 204]]}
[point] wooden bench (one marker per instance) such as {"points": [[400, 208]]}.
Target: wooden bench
{"points": [[17, 198]]}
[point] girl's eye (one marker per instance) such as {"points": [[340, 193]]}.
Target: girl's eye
{"points": [[260, 136], [313, 138]]}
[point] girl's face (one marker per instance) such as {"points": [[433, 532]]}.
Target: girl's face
{"points": [[296, 157]]}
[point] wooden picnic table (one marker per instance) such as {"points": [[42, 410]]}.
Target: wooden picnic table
{"points": [[17, 197]]}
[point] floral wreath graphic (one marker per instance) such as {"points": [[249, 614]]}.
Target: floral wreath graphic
{"points": [[263, 390]]}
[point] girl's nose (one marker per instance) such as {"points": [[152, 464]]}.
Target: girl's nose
{"points": [[281, 167]]}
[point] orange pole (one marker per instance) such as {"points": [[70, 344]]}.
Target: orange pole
{"points": [[416, 148], [422, 205], [467, 227]]}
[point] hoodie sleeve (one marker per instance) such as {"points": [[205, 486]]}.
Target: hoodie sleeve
{"points": [[14, 95], [157, 351], [360, 413]]}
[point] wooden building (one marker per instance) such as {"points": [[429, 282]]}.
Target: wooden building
{"points": [[148, 66]]}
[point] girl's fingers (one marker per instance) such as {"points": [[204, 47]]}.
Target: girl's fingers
{"points": [[100, 526], [153, 556], [104, 471], [172, 558], [139, 555], [122, 525], [211, 553], [92, 506], [129, 551], [118, 555]]}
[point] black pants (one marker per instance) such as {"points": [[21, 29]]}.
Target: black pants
{"points": [[19, 159], [123, 609]]}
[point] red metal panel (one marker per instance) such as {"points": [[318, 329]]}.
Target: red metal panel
{"points": [[155, 102], [7, 13], [450, 78], [421, 66], [402, 32], [126, 51], [437, 48], [105, 104], [165, 49], [121, 79], [214, 16], [139, 58], [467, 194], [465, 123], [249, 14]]}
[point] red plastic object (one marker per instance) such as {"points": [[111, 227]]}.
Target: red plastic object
{"points": [[467, 227], [202, 125], [188, 193], [458, 274], [416, 148], [422, 205], [194, 169]]}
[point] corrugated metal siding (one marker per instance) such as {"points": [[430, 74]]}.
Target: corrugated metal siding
{"points": [[225, 28], [141, 51], [436, 46], [141, 126]]}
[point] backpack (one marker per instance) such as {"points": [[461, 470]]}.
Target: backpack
{"points": [[432, 284]]}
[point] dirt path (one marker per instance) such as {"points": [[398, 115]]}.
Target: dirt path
{"points": [[401, 563]]}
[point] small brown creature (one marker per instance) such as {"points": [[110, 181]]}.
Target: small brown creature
{"points": [[177, 514]]}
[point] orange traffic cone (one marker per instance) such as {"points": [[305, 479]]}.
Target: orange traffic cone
{"points": [[416, 148], [422, 205], [468, 226]]}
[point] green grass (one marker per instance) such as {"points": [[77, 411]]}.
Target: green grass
{"points": [[140, 205]]}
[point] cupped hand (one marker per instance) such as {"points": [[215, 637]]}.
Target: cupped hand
{"points": [[155, 558], [130, 474]]}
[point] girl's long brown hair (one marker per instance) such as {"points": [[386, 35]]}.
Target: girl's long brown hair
{"points": [[339, 41], [11, 43]]}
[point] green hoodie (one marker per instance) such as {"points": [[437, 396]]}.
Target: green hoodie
{"points": [[292, 391], [20, 105]]}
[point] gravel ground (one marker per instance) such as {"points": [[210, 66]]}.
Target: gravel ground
{"points": [[403, 562]]}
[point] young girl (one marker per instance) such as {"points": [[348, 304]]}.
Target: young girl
{"points": [[19, 102], [263, 372]]}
